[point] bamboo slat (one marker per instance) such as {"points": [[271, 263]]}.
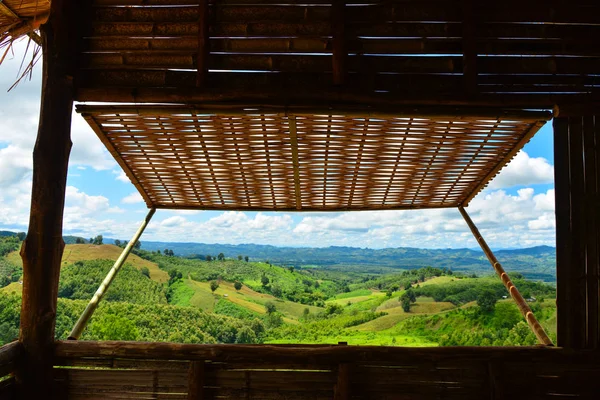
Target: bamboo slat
{"points": [[277, 160]]}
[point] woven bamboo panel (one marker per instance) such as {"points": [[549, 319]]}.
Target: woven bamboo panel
{"points": [[249, 160], [385, 49]]}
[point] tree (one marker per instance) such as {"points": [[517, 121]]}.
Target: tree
{"points": [[171, 253], [264, 280], [79, 241], [291, 268], [21, 236], [333, 308], [240, 257], [208, 257], [214, 285], [117, 243], [174, 275], [166, 251], [221, 257], [158, 252], [486, 301], [237, 285], [145, 271], [276, 291], [270, 307], [138, 245], [246, 258], [411, 295], [91, 240], [245, 335], [389, 293], [405, 302]]}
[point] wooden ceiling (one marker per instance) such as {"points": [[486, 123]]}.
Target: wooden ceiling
{"points": [[517, 53], [274, 160]]}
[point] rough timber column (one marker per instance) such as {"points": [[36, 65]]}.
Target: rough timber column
{"points": [[43, 247], [577, 185]]}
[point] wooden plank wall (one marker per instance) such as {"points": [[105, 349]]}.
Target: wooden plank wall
{"points": [[10, 355], [144, 371], [577, 183], [401, 49]]}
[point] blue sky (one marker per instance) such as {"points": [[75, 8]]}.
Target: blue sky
{"points": [[517, 210]]}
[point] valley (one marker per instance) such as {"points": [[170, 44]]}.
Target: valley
{"points": [[234, 298]]}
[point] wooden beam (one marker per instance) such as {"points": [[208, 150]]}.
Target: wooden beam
{"points": [[237, 109], [532, 321], [340, 47], [203, 43], [196, 380], [43, 247], [294, 145], [318, 354]]}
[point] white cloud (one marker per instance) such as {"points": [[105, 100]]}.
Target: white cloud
{"points": [[524, 171], [133, 198], [121, 176], [173, 221]]}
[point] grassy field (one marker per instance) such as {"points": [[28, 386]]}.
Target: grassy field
{"points": [[198, 294], [83, 252]]}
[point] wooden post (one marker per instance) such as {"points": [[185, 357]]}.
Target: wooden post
{"points": [[196, 380], [576, 155], [535, 326], [43, 247], [342, 386], [93, 304]]}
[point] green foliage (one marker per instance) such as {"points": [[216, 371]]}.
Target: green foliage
{"points": [[145, 271], [270, 307], [333, 308], [461, 291], [225, 307], [81, 280], [245, 335], [214, 285], [237, 285], [405, 302], [113, 327], [97, 240], [486, 300]]}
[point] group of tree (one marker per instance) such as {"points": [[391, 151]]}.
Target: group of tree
{"points": [[98, 240]]}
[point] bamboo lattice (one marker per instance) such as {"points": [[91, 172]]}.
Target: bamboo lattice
{"points": [[260, 160]]}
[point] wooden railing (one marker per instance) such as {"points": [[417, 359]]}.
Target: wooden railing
{"points": [[87, 370], [9, 358]]}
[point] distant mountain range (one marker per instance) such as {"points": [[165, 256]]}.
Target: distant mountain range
{"points": [[537, 263], [534, 262]]}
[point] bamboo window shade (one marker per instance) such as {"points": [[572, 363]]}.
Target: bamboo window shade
{"points": [[193, 158]]}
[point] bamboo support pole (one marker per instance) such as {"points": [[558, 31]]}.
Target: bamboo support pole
{"points": [[535, 326], [93, 304]]}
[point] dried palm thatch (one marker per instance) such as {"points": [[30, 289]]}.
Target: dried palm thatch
{"points": [[20, 18]]}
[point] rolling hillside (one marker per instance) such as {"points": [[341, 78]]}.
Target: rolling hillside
{"points": [[85, 252]]}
